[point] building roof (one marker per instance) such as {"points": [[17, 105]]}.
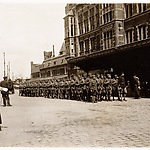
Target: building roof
{"points": [[63, 49], [54, 61]]}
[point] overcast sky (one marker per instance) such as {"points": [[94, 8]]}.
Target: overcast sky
{"points": [[26, 30]]}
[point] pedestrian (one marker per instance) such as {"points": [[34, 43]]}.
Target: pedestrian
{"points": [[5, 94]]}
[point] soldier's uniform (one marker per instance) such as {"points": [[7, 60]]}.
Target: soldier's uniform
{"points": [[137, 87], [72, 87], [66, 88], [93, 89], [122, 86], [108, 87], [99, 88], [84, 90], [77, 90], [115, 87]]}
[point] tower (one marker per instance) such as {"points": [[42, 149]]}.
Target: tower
{"points": [[69, 21]]}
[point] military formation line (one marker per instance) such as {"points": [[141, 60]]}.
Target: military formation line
{"points": [[91, 88]]}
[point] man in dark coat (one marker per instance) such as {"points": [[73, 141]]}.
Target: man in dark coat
{"points": [[122, 85], [5, 94], [115, 87], [137, 87], [11, 86]]}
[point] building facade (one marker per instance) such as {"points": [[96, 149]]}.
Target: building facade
{"points": [[35, 70], [113, 37], [52, 66], [93, 27]]}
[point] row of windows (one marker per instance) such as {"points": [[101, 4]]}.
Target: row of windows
{"points": [[54, 72], [89, 20], [89, 24], [107, 39], [93, 21], [108, 43], [107, 17], [86, 24], [108, 34], [141, 32], [60, 71], [106, 5], [91, 44], [130, 8], [49, 63], [94, 43]]}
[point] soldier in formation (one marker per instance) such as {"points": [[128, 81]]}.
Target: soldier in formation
{"points": [[91, 88]]}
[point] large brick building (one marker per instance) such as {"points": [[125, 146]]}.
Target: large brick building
{"points": [[102, 37], [113, 37]]}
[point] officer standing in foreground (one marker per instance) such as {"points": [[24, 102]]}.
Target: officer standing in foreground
{"points": [[5, 94]]}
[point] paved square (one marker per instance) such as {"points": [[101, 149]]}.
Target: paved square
{"points": [[43, 122]]}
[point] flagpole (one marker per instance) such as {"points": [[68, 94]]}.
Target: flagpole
{"points": [[9, 70], [4, 66]]}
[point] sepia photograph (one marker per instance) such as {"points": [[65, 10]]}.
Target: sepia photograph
{"points": [[74, 74]]}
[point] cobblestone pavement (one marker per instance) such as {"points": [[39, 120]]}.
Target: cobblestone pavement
{"points": [[43, 122]]}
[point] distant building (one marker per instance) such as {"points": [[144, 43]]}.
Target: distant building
{"points": [[51, 67], [54, 67], [35, 70]]}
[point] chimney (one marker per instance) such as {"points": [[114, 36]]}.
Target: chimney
{"points": [[53, 51]]}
